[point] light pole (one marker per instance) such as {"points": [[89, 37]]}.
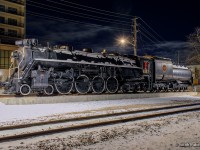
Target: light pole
{"points": [[135, 35], [124, 41]]}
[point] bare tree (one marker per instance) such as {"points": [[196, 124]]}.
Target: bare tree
{"points": [[194, 41]]}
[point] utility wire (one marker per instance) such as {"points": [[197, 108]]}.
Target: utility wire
{"points": [[147, 37], [79, 15], [146, 31], [82, 14], [74, 22], [88, 7], [99, 11], [152, 29], [51, 40], [89, 10], [142, 43]]}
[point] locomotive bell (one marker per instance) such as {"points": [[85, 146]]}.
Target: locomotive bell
{"points": [[114, 54], [34, 42], [67, 47], [104, 51], [88, 50]]}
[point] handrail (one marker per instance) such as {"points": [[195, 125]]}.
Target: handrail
{"points": [[20, 62]]}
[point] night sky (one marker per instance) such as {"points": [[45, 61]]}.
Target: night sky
{"points": [[98, 24]]}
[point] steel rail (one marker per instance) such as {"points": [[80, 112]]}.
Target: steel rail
{"points": [[95, 116], [104, 122]]}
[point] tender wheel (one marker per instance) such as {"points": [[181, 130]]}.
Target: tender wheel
{"points": [[112, 85], [175, 89], [49, 90], [17, 94], [82, 84], [64, 86], [155, 90], [166, 89], [40, 93], [183, 89], [25, 89], [125, 88], [98, 84], [134, 89], [159, 89], [145, 88], [163, 89], [152, 90], [179, 89], [186, 88]]}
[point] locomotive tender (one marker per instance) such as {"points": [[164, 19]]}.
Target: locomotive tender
{"points": [[63, 70]]}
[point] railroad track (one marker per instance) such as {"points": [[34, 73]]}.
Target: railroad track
{"points": [[16, 132], [75, 94]]}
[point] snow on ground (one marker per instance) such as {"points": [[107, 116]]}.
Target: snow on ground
{"points": [[20, 112], [180, 132], [177, 132], [1, 104]]}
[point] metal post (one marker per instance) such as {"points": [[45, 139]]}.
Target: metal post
{"points": [[135, 35], [178, 58], [24, 19]]}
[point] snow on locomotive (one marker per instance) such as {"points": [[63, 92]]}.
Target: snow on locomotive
{"points": [[63, 70]]}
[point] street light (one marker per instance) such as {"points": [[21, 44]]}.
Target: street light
{"points": [[123, 41]]}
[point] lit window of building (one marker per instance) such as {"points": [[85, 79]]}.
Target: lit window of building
{"points": [[12, 28]]}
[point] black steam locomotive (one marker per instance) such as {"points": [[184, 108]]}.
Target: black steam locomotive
{"points": [[63, 70]]}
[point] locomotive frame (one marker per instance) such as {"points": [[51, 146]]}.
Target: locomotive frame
{"points": [[63, 70]]}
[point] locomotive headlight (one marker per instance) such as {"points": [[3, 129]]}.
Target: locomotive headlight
{"points": [[23, 42], [19, 42], [27, 42]]}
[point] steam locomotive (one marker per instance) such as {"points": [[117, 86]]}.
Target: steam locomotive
{"points": [[63, 70]]}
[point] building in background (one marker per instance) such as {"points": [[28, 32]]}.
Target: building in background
{"points": [[195, 73], [12, 28], [196, 76]]}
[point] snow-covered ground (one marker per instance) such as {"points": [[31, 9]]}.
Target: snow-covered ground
{"points": [[165, 133], [20, 112], [177, 132]]}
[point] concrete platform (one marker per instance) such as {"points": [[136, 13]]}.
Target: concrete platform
{"points": [[78, 98]]}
